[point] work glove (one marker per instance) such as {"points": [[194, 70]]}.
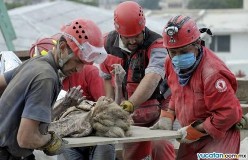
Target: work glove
{"points": [[165, 121], [55, 146], [243, 123], [190, 134], [127, 106], [73, 97]]}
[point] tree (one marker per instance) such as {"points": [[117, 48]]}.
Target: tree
{"points": [[214, 4], [149, 4], [88, 2], [14, 5]]}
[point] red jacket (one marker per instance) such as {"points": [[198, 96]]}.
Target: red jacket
{"points": [[90, 81], [208, 96], [149, 58]]}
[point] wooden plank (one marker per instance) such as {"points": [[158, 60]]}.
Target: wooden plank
{"points": [[23, 55], [138, 134]]}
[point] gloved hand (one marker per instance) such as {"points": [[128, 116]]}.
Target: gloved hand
{"points": [[73, 97], [55, 146], [243, 123], [190, 134], [127, 106], [165, 121]]}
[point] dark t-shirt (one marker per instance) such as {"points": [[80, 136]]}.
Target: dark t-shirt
{"points": [[32, 90], [8, 75]]}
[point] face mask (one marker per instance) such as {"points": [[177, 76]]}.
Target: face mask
{"points": [[184, 61]]}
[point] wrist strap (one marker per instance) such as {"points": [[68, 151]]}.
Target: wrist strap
{"points": [[167, 114], [49, 143]]}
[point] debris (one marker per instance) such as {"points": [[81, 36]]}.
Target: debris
{"points": [[103, 118]]}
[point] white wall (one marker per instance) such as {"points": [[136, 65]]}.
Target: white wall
{"points": [[237, 59], [239, 48], [245, 4]]}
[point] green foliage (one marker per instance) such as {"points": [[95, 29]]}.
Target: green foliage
{"points": [[88, 2], [149, 4], [16, 4], [215, 4], [13, 5], [28, 2]]}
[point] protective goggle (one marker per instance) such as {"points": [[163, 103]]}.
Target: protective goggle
{"points": [[88, 52]]}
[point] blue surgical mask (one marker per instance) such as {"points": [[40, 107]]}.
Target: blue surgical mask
{"points": [[184, 61]]}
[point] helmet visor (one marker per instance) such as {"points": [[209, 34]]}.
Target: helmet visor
{"points": [[88, 52], [91, 53]]}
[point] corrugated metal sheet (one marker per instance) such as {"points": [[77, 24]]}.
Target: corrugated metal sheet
{"points": [[226, 21], [33, 22], [36, 21]]}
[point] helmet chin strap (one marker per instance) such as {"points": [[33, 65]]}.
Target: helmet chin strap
{"points": [[61, 75], [62, 62]]}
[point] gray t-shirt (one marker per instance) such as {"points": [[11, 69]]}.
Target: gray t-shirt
{"points": [[32, 90]]}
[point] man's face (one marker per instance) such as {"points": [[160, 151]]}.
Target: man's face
{"points": [[73, 65], [182, 50], [133, 43]]}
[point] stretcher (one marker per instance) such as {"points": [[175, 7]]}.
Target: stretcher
{"points": [[138, 134]]}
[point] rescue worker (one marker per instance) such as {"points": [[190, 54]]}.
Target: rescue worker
{"points": [[87, 78], [141, 53], [85, 84], [32, 89], [203, 93]]}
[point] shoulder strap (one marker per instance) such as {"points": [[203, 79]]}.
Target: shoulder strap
{"points": [[150, 38]]}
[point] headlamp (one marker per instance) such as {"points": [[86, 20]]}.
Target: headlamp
{"points": [[171, 30]]}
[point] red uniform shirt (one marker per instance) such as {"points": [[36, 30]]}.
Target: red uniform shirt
{"points": [[208, 96], [150, 59], [90, 81], [156, 54]]}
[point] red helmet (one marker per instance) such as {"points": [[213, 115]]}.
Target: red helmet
{"points": [[180, 31], [42, 46], [85, 39], [129, 23]]}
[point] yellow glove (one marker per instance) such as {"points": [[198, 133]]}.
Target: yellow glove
{"points": [[127, 106], [55, 146]]}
